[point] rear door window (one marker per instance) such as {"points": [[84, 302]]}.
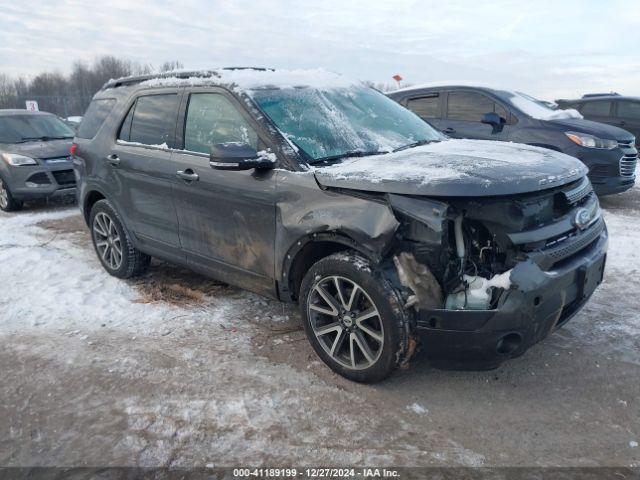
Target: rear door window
{"points": [[94, 117], [425, 107], [151, 120], [212, 118], [629, 110], [596, 109], [468, 106]]}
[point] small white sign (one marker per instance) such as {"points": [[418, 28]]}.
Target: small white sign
{"points": [[32, 105]]}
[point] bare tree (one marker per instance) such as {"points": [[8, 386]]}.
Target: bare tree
{"points": [[71, 94], [170, 66]]}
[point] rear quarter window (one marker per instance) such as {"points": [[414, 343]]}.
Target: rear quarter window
{"points": [[94, 117], [151, 120]]}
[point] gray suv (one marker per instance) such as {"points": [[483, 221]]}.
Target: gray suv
{"points": [[35, 161], [308, 188], [490, 114]]}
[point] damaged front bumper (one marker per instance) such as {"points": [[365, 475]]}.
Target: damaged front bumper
{"points": [[539, 301]]}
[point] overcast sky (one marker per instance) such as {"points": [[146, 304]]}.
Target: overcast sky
{"points": [[551, 49]]}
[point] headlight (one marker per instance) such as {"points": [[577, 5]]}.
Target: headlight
{"points": [[589, 141], [17, 160]]}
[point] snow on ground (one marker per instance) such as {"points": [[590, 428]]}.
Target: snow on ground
{"points": [[183, 382], [71, 286]]}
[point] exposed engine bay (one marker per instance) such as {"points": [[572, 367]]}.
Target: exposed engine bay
{"points": [[459, 254]]}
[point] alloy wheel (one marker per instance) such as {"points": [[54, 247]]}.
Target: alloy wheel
{"points": [[107, 240], [4, 195], [346, 322]]}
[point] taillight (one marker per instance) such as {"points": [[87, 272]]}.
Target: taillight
{"points": [[73, 149]]}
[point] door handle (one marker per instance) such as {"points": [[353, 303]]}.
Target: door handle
{"points": [[187, 175], [113, 159], [449, 130]]}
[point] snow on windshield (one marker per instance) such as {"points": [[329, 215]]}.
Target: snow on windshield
{"points": [[328, 122], [536, 109], [441, 161]]}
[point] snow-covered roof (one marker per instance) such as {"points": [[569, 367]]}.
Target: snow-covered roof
{"points": [[242, 78]]}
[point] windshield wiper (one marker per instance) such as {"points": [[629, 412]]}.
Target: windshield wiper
{"points": [[44, 138], [414, 144], [351, 153]]}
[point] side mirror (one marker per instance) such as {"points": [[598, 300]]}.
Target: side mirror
{"points": [[495, 120], [238, 156]]}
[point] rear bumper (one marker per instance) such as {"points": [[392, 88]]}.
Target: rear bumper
{"points": [[538, 303], [41, 181]]}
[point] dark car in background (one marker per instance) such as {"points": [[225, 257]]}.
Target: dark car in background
{"points": [[309, 188], [490, 114], [35, 161], [611, 108]]}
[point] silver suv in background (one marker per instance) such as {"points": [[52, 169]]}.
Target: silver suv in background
{"points": [[35, 161]]}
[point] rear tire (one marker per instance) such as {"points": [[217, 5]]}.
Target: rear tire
{"points": [[354, 318], [113, 244], [7, 202]]}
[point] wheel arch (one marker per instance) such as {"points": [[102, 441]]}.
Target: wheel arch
{"points": [[90, 199], [308, 250]]}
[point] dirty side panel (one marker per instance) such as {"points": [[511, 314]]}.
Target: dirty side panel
{"points": [[227, 222], [303, 209]]}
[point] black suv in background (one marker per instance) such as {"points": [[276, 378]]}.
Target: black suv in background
{"points": [[611, 108], [309, 188], [483, 113], [34, 157]]}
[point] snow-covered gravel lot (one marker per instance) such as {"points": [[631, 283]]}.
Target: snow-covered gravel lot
{"points": [[174, 369]]}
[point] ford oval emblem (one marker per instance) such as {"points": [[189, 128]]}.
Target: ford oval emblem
{"points": [[582, 218]]}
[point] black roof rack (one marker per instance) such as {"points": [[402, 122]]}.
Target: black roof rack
{"points": [[610, 94], [133, 80]]}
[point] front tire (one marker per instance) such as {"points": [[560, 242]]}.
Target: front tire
{"points": [[113, 245], [354, 318], [7, 202]]}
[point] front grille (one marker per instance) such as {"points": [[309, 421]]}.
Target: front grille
{"points": [[570, 245], [628, 164], [65, 178], [577, 192]]}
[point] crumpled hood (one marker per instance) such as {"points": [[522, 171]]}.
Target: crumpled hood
{"points": [[49, 149], [598, 129], [451, 168]]}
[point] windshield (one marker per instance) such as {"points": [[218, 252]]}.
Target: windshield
{"points": [[24, 128], [342, 121], [537, 108]]}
